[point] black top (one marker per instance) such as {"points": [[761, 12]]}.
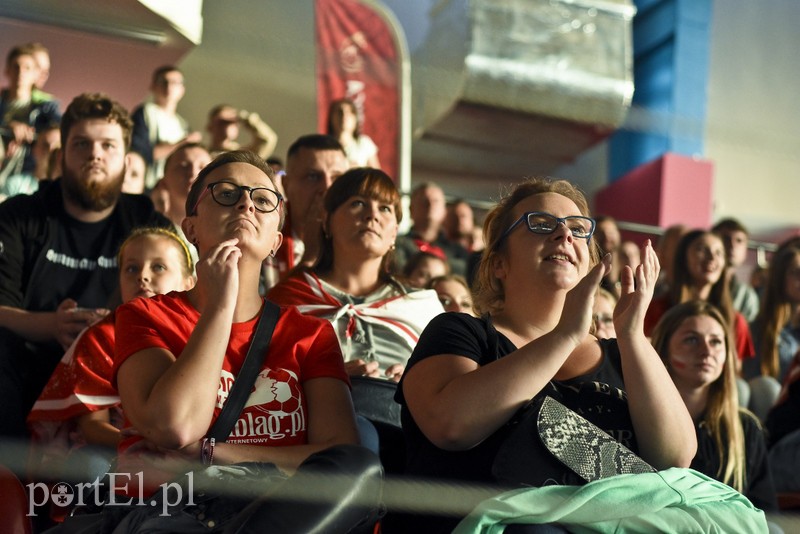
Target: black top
{"points": [[784, 417], [758, 486], [599, 396]]}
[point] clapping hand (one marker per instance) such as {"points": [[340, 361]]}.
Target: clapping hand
{"points": [[576, 317], [636, 293]]}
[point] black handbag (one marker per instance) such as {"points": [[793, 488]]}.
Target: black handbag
{"points": [[550, 444]]}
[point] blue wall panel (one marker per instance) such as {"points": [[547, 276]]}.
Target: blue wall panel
{"points": [[671, 49]]}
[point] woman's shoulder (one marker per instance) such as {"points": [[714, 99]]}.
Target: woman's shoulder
{"points": [[301, 286], [462, 321], [463, 334], [291, 315], [174, 302]]}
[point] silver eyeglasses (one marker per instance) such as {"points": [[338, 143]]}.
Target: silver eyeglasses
{"points": [[541, 222]]}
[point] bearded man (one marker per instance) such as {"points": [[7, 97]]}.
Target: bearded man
{"points": [[58, 252]]}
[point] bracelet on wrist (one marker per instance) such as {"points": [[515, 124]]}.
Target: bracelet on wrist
{"points": [[207, 451]]}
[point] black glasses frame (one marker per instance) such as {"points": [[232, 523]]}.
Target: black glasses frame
{"points": [[241, 188]]}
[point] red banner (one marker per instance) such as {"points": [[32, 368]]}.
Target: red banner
{"points": [[357, 58]]}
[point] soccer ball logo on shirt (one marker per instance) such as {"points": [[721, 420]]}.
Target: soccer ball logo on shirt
{"points": [[273, 412]]}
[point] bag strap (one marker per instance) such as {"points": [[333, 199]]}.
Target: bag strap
{"points": [[243, 384]]}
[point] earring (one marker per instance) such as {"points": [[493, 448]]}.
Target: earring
{"points": [[271, 253]]}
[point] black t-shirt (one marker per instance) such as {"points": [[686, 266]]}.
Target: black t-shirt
{"points": [[758, 486], [80, 263], [784, 417], [598, 396]]}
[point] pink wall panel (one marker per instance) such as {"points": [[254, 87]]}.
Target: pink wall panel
{"points": [[686, 191], [669, 190]]}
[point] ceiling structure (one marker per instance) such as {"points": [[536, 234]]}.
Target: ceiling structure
{"points": [[527, 88]]}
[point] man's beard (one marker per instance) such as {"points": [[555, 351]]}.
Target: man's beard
{"points": [[92, 195]]}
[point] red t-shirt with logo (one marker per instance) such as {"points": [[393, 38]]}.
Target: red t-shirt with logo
{"points": [[275, 414]]}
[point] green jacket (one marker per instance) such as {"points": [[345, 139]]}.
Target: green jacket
{"points": [[675, 500]]}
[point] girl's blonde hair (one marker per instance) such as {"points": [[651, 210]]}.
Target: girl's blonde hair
{"points": [[489, 292], [187, 265], [721, 416]]}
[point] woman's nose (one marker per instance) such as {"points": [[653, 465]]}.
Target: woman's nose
{"points": [[562, 231], [246, 202], [370, 211]]}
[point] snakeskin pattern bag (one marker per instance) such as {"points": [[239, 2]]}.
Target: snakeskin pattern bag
{"points": [[551, 444]]}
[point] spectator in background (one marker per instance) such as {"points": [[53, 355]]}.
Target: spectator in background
{"points": [[603, 314], [135, 171], [629, 254], [58, 268], [312, 164], [223, 127], [698, 274], [47, 142], [758, 280], [695, 344], [428, 210], [776, 330], [453, 292], [24, 112], [459, 226], [423, 266], [608, 238], [377, 319], [42, 56], [666, 255], [735, 237], [783, 427], [180, 172], [345, 125], [158, 129]]}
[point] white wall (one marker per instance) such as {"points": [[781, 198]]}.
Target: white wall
{"points": [[257, 55], [753, 124]]}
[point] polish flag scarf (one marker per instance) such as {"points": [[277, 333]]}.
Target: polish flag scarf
{"points": [[405, 314]]}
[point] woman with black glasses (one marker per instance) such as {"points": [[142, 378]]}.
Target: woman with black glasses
{"points": [[469, 377], [178, 356]]}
